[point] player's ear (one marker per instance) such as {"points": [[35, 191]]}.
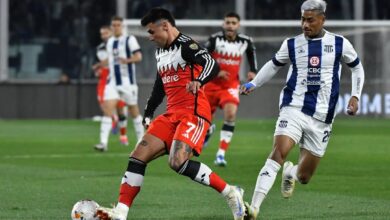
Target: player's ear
{"points": [[165, 25]]}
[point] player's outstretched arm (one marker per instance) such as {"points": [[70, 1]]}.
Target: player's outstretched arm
{"points": [[154, 101], [357, 87]]}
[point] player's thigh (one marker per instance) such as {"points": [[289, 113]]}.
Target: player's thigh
{"points": [[129, 94], [316, 136], [149, 148], [288, 132], [109, 107], [192, 130]]}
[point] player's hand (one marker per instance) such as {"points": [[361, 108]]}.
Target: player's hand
{"points": [[353, 106], [96, 67], [193, 87], [146, 122], [247, 88], [223, 74], [250, 76]]}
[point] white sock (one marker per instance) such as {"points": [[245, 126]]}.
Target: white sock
{"points": [[221, 152], [138, 127], [293, 172], [265, 181], [226, 190], [105, 128], [122, 123], [122, 208]]}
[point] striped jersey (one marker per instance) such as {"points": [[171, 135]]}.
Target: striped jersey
{"points": [[313, 79], [122, 47]]}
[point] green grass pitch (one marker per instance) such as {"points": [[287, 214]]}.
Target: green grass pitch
{"points": [[46, 166]]}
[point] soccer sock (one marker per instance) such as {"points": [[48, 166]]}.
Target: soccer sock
{"points": [[201, 173], [293, 172], [105, 127], [138, 127], [122, 124], [226, 136], [132, 181], [265, 180]]}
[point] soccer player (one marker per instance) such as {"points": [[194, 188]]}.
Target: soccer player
{"points": [[307, 102], [123, 52], [227, 48], [183, 67], [101, 71]]}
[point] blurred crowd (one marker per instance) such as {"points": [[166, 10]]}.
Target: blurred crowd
{"points": [[68, 30]]}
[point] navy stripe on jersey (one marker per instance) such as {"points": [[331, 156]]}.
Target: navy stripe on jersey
{"points": [[117, 70], [292, 82], [277, 63], [313, 81], [354, 63], [334, 94], [129, 65]]}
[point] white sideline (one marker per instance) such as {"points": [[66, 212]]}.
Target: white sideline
{"points": [[43, 156]]}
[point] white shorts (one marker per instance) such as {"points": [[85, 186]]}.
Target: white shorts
{"points": [[311, 134], [127, 93]]}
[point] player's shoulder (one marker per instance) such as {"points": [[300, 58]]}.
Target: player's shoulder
{"points": [[244, 37], [101, 46], [217, 34]]}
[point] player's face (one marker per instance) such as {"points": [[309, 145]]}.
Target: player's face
{"points": [[105, 34], [158, 33], [230, 26], [116, 27], [312, 23]]}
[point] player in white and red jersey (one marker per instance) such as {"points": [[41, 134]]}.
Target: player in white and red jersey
{"points": [[123, 52], [183, 67], [228, 47], [102, 71], [307, 102]]}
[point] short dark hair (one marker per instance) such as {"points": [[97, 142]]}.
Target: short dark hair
{"points": [[156, 14], [116, 18], [232, 14], [105, 27]]}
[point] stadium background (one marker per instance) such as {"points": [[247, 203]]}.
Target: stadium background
{"points": [[47, 49]]}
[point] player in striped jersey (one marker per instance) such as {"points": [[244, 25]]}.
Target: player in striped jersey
{"points": [[101, 71], [307, 102], [123, 52], [183, 67]]}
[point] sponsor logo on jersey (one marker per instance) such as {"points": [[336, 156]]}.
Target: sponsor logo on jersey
{"points": [[168, 79], [314, 61], [228, 61]]}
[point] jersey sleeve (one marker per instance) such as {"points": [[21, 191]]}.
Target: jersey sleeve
{"points": [[349, 55], [282, 56], [194, 54], [133, 44], [155, 98], [251, 56]]}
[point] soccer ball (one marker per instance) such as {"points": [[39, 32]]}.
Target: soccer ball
{"points": [[84, 210]]}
